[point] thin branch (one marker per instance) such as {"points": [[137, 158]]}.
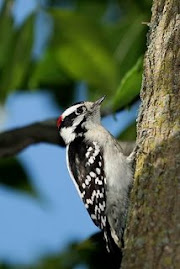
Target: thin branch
{"points": [[15, 140]]}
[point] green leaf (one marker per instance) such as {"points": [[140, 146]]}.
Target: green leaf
{"points": [[12, 174], [19, 59], [46, 72], [6, 32], [93, 8], [131, 45], [80, 47], [129, 87]]}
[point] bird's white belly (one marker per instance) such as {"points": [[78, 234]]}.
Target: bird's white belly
{"points": [[118, 171]]}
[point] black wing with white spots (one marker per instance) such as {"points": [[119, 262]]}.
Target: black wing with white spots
{"points": [[87, 167]]}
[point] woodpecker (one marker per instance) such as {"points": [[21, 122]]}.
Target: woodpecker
{"points": [[100, 171]]}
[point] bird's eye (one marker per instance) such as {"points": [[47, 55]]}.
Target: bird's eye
{"points": [[80, 110]]}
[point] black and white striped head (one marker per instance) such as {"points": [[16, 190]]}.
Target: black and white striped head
{"points": [[76, 119]]}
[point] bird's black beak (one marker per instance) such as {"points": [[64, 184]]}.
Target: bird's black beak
{"points": [[99, 101]]}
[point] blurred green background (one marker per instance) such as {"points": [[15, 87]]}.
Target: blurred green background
{"points": [[98, 43]]}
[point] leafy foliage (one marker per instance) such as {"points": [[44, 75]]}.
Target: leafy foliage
{"points": [[12, 174], [129, 86], [81, 49], [91, 253], [15, 51], [86, 45]]}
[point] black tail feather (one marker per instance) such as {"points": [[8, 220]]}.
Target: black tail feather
{"points": [[114, 251]]}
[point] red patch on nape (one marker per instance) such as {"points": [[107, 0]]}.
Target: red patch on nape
{"points": [[59, 120]]}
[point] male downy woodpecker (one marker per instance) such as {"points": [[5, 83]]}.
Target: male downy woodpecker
{"points": [[100, 171]]}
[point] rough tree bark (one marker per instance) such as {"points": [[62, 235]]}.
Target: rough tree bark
{"points": [[151, 239]]}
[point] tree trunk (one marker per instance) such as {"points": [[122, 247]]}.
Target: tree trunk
{"points": [[151, 238]]}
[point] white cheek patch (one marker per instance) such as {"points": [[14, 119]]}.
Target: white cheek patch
{"points": [[68, 134], [70, 110]]}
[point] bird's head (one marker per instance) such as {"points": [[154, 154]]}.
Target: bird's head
{"points": [[76, 119]]}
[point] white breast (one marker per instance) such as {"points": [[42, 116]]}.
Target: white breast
{"points": [[117, 168]]}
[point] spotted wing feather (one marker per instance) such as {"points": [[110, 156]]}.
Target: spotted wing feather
{"points": [[87, 167]]}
